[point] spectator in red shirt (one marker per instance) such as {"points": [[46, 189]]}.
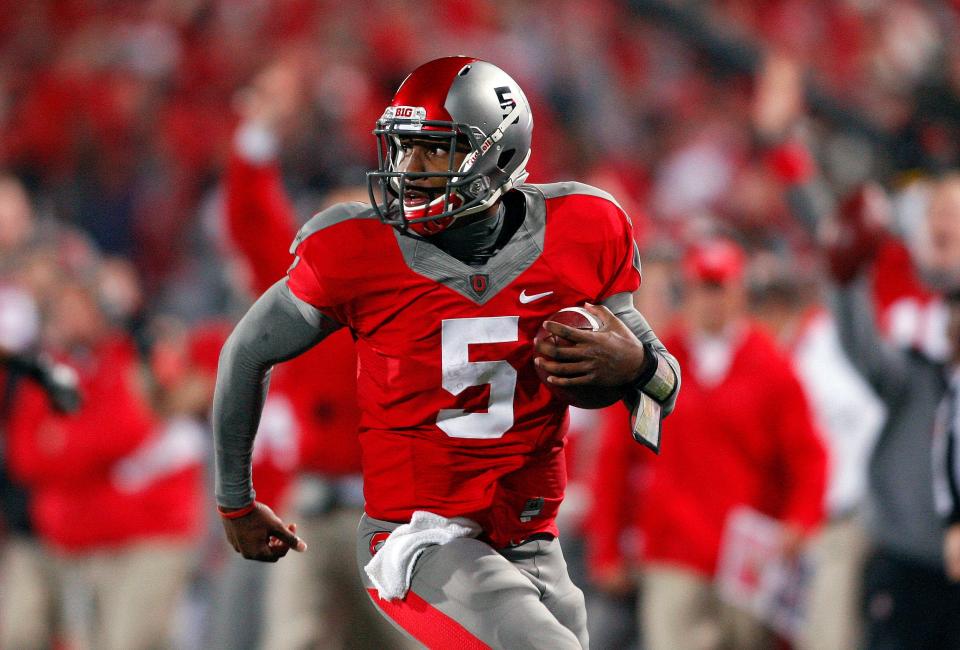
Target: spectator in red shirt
{"points": [[743, 436], [116, 489]]}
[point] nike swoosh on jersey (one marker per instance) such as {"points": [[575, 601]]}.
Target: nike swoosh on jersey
{"points": [[524, 298]]}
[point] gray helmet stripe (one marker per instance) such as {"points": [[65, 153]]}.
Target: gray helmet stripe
{"points": [[491, 139]]}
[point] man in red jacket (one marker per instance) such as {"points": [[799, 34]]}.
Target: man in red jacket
{"points": [[741, 435]]}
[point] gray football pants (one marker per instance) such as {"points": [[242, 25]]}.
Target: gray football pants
{"points": [[466, 595]]}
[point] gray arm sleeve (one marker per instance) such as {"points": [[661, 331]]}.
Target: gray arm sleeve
{"points": [[278, 327], [655, 393], [885, 367], [810, 203], [946, 461]]}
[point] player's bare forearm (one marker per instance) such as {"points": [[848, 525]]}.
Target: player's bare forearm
{"points": [[277, 327], [660, 376]]}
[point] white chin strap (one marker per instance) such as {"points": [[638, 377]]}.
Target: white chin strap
{"points": [[516, 178], [491, 139]]}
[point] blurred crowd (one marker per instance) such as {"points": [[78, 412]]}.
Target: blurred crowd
{"points": [[791, 171]]}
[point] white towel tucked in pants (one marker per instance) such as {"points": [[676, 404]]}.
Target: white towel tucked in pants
{"points": [[391, 568]]}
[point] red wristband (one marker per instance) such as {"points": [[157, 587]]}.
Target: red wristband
{"points": [[236, 514]]}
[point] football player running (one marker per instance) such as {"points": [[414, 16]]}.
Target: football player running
{"points": [[444, 281]]}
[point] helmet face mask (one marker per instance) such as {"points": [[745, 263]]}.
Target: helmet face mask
{"points": [[444, 202], [495, 136]]}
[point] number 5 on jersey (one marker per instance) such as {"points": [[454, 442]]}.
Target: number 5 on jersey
{"points": [[459, 373]]}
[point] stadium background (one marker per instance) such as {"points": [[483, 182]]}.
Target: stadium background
{"points": [[119, 119]]}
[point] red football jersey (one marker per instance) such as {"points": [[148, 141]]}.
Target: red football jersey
{"points": [[454, 418]]}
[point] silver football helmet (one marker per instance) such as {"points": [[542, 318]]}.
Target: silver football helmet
{"points": [[472, 106]]}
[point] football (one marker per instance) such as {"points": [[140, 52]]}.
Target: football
{"points": [[585, 397]]}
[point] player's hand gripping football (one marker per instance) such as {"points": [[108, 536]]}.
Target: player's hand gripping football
{"points": [[611, 356], [261, 535]]}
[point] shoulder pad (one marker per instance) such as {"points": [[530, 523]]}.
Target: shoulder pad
{"points": [[568, 188], [331, 216]]}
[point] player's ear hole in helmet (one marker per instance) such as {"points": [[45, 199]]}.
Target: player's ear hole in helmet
{"points": [[482, 120]]}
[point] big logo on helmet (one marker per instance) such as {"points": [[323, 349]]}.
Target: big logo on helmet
{"points": [[405, 113]]}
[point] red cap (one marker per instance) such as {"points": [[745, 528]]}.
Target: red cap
{"points": [[717, 261]]}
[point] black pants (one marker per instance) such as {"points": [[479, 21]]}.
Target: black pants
{"points": [[909, 606]]}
